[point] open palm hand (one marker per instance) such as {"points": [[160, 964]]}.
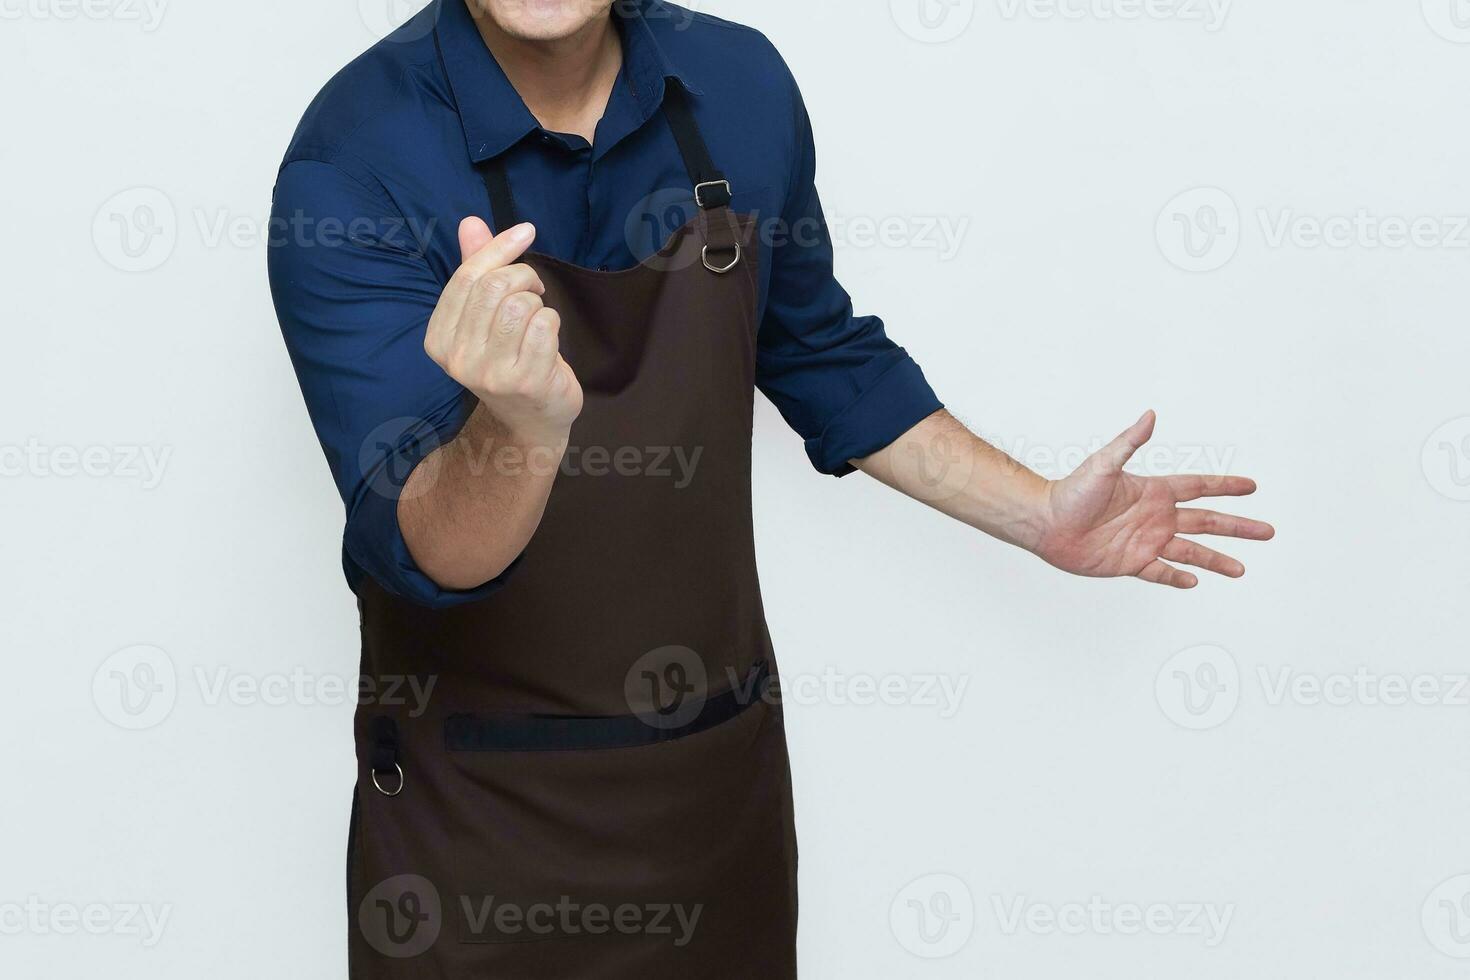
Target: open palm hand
{"points": [[1102, 521]]}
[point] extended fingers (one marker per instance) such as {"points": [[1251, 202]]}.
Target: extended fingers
{"points": [[1162, 573], [1197, 521], [1112, 457], [1196, 554], [1192, 486], [502, 250]]}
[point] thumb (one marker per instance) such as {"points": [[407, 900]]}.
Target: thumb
{"points": [[1116, 454], [474, 235]]}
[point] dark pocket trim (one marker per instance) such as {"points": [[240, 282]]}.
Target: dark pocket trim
{"points": [[555, 733]]}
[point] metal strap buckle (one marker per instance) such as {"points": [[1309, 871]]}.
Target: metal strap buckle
{"points": [[379, 786], [721, 269], [711, 183]]}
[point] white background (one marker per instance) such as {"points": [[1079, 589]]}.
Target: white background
{"points": [[1078, 767]]}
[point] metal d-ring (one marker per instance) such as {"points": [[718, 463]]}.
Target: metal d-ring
{"points": [[721, 269], [379, 786]]}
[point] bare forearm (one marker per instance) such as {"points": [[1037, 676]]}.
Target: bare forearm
{"points": [[941, 463], [1100, 521], [471, 506]]}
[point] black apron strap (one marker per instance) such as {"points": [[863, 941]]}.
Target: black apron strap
{"points": [[502, 204], [722, 250], [711, 188]]}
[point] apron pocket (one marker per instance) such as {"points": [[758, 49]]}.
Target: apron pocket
{"points": [[664, 840], [553, 733]]}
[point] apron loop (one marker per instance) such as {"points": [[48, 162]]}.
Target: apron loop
{"points": [[384, 755], [720, 269]]}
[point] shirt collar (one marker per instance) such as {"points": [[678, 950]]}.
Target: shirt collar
{"points": [[493, 113]]}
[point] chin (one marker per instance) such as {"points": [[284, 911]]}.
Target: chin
{"points": [[543, 20]]}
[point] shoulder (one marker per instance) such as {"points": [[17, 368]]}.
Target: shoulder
{"points": [[370, 99], [721, 56]]}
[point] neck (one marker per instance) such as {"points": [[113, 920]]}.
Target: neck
{"points": [[565, 82]]}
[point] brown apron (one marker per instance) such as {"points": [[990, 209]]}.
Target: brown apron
{"points": [[598, 786]]}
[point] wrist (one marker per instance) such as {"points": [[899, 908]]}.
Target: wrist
{"points": [[522, 433], [490, 434], [1004, 498], [1034, 516]]}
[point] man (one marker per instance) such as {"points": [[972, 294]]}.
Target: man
{"points": [[545, 457]]}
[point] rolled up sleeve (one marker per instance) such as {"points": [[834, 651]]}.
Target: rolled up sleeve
{"points": [[353, 292], [835, 377]]}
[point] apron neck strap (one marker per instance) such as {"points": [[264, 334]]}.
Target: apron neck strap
{"points": [[497, 185], [711, 187]]}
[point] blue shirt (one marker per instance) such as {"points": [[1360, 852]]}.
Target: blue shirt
{"points": [[381, 171]]}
